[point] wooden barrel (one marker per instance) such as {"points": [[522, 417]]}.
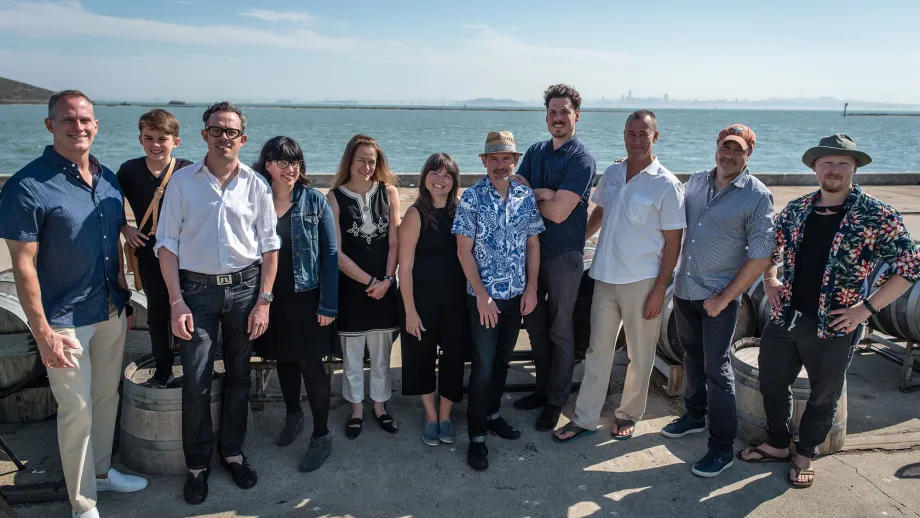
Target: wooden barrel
{"points": [[752, 421], [761, 304], [151, 420], [668, 344], [20, 363], [901, 318]]}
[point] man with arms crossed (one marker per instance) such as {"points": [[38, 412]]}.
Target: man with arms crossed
{"points": [[641, 205], [496, 224], [728, 244], [561, 173], [827, 243], [62, 215], [217, 226]]}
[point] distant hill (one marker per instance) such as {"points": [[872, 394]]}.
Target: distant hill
{"points": [[14, 92], [487, 102]]}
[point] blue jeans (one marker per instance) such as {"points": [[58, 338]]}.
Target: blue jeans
{"points": [[224, 308], [491, 348], [710, 381]]}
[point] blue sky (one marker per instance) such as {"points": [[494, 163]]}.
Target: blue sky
{"points": [[425, 50]]}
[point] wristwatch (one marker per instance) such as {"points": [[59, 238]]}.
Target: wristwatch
{"points": [[267, 297], [391, 278]]}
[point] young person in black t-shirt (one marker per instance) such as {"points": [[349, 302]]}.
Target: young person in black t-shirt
{"points": [[139, 179]]}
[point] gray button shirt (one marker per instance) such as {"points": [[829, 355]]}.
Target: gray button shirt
{"points": [[724, 230]]}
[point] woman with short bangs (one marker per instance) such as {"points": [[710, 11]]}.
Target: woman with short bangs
{"points": [[305, 295], [433, 288], [365, 203]]}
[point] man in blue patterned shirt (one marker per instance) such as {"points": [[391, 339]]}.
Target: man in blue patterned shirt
{"points": [[496, 225]]}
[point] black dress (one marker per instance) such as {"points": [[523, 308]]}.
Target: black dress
{"points": [[365, 239], [293, 331]]}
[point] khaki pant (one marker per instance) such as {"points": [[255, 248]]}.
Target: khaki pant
{"points": [[611, 305], [87, 398]]}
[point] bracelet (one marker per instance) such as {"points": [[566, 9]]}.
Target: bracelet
{"points": [[371, 282], [171, 304], [870, 307]]}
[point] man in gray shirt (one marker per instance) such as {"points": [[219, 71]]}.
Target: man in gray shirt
{"points": [[728, 243]]}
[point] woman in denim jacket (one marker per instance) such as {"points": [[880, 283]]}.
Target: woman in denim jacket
{"points": [[306, 284]]}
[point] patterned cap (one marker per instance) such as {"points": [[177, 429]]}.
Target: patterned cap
{"points": [[740, 134], [500, 142]]}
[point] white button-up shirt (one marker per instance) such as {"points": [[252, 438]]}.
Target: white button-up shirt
{"points": [[635, 215], [215, 231]]}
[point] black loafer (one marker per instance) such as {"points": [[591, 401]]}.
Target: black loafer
{"points": [[243, 474], [196, 488], [548, 418], [501, 428], [531, 401]]}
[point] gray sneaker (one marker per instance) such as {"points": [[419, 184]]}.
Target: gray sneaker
{"points": [[430, 435], [293, 425], [446, 432], [317, 453]]}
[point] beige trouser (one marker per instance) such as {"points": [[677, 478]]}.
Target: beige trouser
{"points": [[87, 398], [611, 305], [379, 345]]}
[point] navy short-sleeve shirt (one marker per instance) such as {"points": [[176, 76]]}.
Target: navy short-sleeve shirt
{"points": [[569, 168], [77, 229]]}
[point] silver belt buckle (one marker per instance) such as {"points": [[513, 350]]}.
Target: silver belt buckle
{"points": [[223, 280]]}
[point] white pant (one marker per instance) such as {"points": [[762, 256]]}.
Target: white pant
{"points": [[87, 397], [379, 344]]}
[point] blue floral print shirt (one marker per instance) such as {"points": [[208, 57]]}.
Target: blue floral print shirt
{"points": [[499, 229]]}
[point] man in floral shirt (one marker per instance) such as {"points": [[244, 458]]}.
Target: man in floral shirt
{"points": [[828, 243], [497, 226]]}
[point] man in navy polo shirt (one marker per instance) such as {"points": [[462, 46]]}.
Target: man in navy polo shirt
{"points": [[561, 172], [62, 217]]}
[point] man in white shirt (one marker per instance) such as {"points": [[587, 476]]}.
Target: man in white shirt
{"points": [[216, 227], [641, 206]]}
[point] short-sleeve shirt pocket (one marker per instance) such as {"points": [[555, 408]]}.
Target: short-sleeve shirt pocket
{"points": [[639, 208]]}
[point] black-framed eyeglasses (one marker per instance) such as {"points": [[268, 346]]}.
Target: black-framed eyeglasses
{"points": [[283, 164], [216, 131]]}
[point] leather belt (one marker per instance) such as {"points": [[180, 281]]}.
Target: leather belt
{"points": [[221, 280]]}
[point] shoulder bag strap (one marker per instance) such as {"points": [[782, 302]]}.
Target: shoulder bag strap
{"points": [[154, 207]]}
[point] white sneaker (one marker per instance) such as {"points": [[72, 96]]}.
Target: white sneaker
{"points": [[92, 513], [120, 483]]}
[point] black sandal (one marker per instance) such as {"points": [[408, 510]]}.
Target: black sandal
{"points": [[353, 427], [386, 422], [571, 427], [623, 423]]}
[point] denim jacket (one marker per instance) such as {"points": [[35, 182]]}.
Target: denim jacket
{"points": [[316, 251]]}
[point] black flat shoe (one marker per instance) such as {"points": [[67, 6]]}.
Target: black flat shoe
{"points": [[548, 418], [196, 488], [386, 422], [243, 474], [501, 428], [353, 427]]}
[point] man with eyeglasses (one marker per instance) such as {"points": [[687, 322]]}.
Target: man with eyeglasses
{"points": [[727, 245], [217, 247]]}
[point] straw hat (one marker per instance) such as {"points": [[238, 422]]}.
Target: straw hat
{"points": [[500, 142]]}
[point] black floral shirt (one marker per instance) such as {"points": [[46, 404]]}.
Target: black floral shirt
{"points": [[871, 231]]}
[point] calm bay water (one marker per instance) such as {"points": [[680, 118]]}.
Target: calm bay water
{"points": [[687, 141]]}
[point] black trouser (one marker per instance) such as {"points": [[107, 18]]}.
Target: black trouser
{"points": [[783, 352], [316, 380], [161, 337], [225, 309], [549, 326], [491, 355], [710, 381], [447, 326]]}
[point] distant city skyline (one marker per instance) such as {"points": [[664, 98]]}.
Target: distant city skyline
{"points": [[414, 50]]}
